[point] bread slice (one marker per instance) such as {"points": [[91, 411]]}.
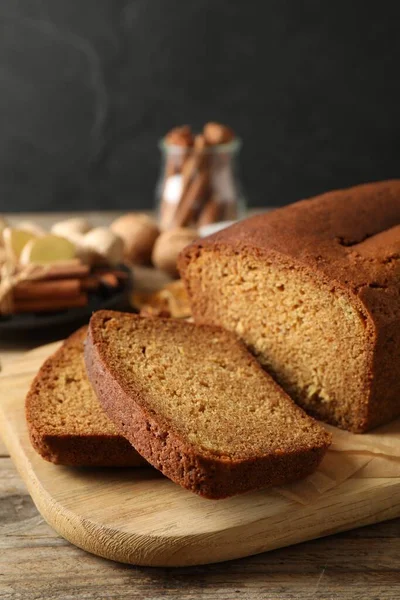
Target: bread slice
{"points": [[313, 291], [198, 406], [66, 423]]}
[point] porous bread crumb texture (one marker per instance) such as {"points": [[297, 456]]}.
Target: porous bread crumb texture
{"points": [[313, 289], [66, 422], [192, 399], [306, 334], [209, 387]]}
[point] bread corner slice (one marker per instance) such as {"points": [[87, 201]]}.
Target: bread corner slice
{"points": [[65, 420], [198, 406]]}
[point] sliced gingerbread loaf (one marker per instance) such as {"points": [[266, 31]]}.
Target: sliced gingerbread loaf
{"points": [[313, 289], [198, 406], [65, 420]]}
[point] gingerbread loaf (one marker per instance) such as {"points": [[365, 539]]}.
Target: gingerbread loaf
{"points": [[66, 423], [198, 406], [313, 289]]}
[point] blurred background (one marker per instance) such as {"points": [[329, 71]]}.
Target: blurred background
{"points": [[89, 87]]}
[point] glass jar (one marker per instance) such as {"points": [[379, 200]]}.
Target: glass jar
{"points": [[199, 185]]}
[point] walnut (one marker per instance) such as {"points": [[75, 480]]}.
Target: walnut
{"points": [[138, 232], [215, 133], [180, 136], [101, 246]]}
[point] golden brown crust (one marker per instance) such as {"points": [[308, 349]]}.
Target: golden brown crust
{"points": [[63, 445], [348, 239], [86, 450], [205, 473]]}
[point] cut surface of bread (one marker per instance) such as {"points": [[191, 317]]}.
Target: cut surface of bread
{"points": [[198, 406], [313, 291], [65, 420]]}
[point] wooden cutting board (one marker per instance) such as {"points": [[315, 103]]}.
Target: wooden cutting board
{"points": [[137, 516]]}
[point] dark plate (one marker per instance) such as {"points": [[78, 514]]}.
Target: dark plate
{"points": [[55, 325]]}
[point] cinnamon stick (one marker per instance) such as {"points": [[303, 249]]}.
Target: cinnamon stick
{"points": [[34, 290], [59, 272], [178, 146], [194, 194], [89, 284], [195, 161], [196, 180], [70, 269], [210, 213], [50, 304]]}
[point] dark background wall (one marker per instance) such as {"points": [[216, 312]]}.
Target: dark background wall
{"points": [[88, 87]]}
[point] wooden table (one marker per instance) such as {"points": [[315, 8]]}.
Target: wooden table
{"points": [[35, 563]]}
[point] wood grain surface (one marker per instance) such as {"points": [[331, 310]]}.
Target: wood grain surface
{"points": [[35, 563], [21, 521]]}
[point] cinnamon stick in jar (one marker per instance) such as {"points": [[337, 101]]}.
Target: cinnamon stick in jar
{"points": [[195, 184], [206, 171], [195, 193], [210, 213], [195, 162], [179, 142]]}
